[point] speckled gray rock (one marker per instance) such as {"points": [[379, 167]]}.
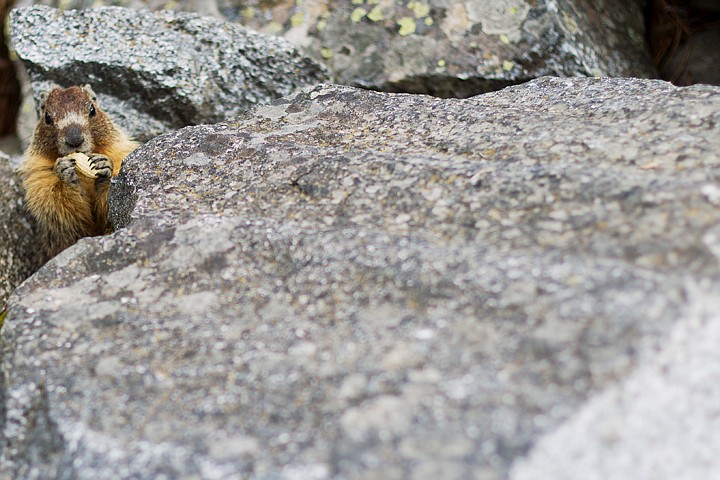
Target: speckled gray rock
{"points": [[18, 256], [445, 48], [458, 48], [203, 7], [353, 285], [155, 72]]}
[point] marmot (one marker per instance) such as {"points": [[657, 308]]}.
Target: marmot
{"points": [[68, 206]]}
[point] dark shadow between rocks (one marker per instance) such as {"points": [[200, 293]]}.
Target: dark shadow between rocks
{"points": [[449, 87]]}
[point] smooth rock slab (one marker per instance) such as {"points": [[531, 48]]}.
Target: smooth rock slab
{"points": [[347, 284], [661, 422], [156, 72]]}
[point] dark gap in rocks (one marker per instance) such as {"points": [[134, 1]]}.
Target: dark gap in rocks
{"points": [[444, 87], [682, 37]]}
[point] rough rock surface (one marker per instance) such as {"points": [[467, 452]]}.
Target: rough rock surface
{"points": [[445, 48], [203, 7], [157, 72], [18, 255], [353, 285], [460, 48]]}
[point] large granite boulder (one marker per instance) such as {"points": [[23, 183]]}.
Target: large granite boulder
{"points": [[354, 285], [156, 72], [454, 49], [19, 255]]}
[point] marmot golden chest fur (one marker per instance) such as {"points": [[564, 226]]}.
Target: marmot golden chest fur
{"points": [[67, 204]]}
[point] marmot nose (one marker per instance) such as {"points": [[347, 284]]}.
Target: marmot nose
{"points": [[73, 136]]}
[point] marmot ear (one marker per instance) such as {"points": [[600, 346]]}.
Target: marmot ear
{"points": [[43, 90], [42, 99], [40, 102], [90, 92]]}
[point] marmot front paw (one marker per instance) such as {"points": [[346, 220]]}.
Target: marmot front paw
{"points": [[102, 166], [65, 169]]}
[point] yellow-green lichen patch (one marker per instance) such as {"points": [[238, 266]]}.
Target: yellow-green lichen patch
{"points": [[419, 9], [247, 13], [376, 14], [273, 28], [407, 26], [297, 19], [326, 53], [358, 14]]}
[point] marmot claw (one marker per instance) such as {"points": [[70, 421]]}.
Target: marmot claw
{"points": [[102, 166]]}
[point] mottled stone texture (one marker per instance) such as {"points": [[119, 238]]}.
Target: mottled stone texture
{"points": [[353, 285], [460, 48], [18, 253], [156, 72], [445, 48]]}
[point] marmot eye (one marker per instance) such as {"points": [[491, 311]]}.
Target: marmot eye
{"points": [[92, 110], [48, 118]]}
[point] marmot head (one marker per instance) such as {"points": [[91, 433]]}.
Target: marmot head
{"points": [[68, 119]]}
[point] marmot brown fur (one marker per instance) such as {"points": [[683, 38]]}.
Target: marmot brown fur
{"points": [[68, 206]]}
